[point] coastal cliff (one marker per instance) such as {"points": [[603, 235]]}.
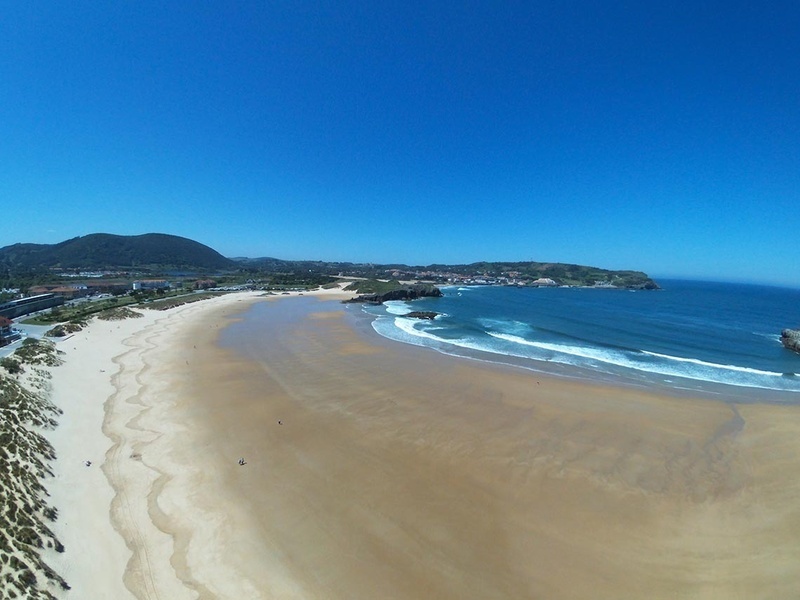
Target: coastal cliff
{"points": [[790, 338]]}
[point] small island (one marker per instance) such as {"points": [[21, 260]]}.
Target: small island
{"points": [[422, 314], [378, 292], [790, 338]]}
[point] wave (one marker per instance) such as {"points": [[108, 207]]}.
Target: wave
{"points": [[582, 335], [407, 326], [607, 356], [703, 363], [595, 358], [773, 337], [397, 307], [691, 368]]}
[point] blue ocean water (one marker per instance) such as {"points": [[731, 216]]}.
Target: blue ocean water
{"points": [[689, 335]]}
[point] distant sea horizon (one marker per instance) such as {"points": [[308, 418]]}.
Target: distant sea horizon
{"points": [[711, 280], [713, 338]]}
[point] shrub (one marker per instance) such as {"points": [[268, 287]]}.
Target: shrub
{"points": [[11, 365]]}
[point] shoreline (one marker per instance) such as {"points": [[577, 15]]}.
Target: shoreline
{"points": [[692, 389], [377, 470], [610, 373]]}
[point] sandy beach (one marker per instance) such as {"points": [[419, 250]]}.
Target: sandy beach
{"points": [[378, 470]]}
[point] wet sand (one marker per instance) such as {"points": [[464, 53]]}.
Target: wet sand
{"points": [[398, 472], [380, 470]]}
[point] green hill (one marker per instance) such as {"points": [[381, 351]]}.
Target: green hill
{"points": [[107, 251]]}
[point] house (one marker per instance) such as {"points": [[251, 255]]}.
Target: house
{"points": [[544, 282], [7, 334], [68, 292], [151, 284]]}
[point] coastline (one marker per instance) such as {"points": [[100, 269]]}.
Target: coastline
{"points": [[398, 472], [552, 332]]}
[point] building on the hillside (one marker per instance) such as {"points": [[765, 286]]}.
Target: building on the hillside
{"points": [[544, 282], [7, 333]]}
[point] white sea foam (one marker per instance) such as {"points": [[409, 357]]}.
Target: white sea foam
{"points": [[507, 326], [703, 363], [407, 326], [773, 337], [606, 356], [690, 368], [409, 332], [397, 307], [515, 327]]}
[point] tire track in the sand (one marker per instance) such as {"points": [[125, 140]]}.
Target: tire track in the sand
{"points": [[126, 522], [136, 495]]}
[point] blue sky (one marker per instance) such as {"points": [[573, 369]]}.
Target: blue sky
{"points": [[662, 137]]}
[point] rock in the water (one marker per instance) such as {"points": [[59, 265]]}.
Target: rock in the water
{"points": [[422, 314], [790, 338], [408, 292]]}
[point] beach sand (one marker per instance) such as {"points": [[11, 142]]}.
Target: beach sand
{"points": [[379, 470]]}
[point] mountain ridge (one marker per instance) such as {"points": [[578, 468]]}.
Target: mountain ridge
{"points": [[164, 252]]}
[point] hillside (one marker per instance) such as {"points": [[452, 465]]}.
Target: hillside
{"points": [[520, 272], [107, 251], [24, 265]]}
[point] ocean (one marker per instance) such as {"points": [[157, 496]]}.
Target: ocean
{"points": [[719, 339]]}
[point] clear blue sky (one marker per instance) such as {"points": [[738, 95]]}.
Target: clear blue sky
{"points": [[658, 136]]}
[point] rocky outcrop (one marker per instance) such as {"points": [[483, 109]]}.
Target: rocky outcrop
{"points": [[422, 314], [790, 338], [406, 292]]}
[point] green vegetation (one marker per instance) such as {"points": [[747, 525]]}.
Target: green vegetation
{"points": [[103, 251], [561, 273], [24, 457], [172, 302], [119, 314], [124, 259], [373, 286], [65, 329], [11, 365], [81, 311], [37, 352]]}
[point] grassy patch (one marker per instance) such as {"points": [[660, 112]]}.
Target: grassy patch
{"points": [[65, 329], [77, 313], [373, 286], [11, 365], [24, 521], [119, 314], [167, 303], [37, 352]]}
